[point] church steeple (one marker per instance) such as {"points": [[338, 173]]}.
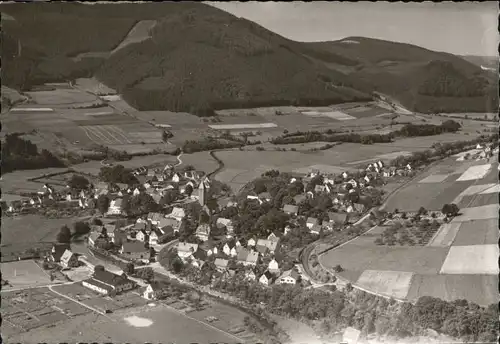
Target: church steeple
{"points": [[202, 191]]}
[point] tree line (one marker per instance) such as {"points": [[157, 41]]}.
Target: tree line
{"points": [[21, 154]]}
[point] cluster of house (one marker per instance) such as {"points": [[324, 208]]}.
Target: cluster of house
{"points": [[231, 252]]}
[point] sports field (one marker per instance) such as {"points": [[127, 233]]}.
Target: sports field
{"points": [[24, 273]]}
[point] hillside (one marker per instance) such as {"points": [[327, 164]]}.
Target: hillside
{"points": [[485, 61], [200, 57]]}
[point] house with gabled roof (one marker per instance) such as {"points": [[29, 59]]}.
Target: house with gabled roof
{"points": [[115, 207], [155, 290], [134, 250], [58, 250], [263, 250], [154, 218], [291, 209], [223, 222], [177, 213], [337, 218], [250, 275], [272, 245], [203, 231], [141, 235], [221, 264], [106, 282], [311, 222], [186, 250], [267, 278], [69, 259], [273, 266], [289, 277], [94, 237]]}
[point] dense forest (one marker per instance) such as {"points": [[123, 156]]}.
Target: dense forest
{"points": [[21, 154]]}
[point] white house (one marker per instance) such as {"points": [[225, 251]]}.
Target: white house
{"points": [[273, 266], [186, 250], [136, 192], [177, 213], [288, 277], [176, 178], [408, 167], [226, 223], [221, 264], [267, 278], [367, 179], [154, 290], [251, 242], [115, 207], [311, 222], [203, 231], [345, 175], [353, 183], [69, 259]]}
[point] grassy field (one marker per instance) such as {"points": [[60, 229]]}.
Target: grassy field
{"points": [[477, 232], [472, 259], [481, 289], [31, 228], [390, 283], [424, 260]]}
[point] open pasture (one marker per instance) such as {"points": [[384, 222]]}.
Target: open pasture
{"points": [[92, 85], [31, 228], [177, 120], [476, 189], [24, 273], [477, 232], [425, 260], [431, 196], [481, 289], [389, 283], [61, 97], [472, 259], [478, 200], [478, 213], [475, 172], [321, 167]]}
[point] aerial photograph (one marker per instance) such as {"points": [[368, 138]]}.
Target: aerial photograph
{"points": [[249, 172]]}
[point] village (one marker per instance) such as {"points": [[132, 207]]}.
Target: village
{"points": [[188, 227]]}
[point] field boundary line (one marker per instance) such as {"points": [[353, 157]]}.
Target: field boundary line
{"points": [[106, 130], [105, 138], [119, 132]]}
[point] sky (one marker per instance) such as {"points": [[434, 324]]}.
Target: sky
{"points": [[466, 28]]}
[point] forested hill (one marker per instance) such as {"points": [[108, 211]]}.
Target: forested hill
{"points": [[202, 57]]}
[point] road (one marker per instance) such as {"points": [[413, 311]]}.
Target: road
{"points": [[179, 161]]}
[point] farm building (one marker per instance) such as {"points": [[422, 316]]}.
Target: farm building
{"points": [[267, 278], [106, 282]]}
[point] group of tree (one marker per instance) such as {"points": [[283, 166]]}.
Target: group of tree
{"points": [[412, 130], [78, 182], [21, 154], [330, 136], [117, 174], [139, 204], [450, 210], [193, 146]]}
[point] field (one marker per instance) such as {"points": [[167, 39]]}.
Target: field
{"points": [[477, 232], [117, 327], [449, 181], [481, 289], [72, 126], [24, 273], [31, 229], [389, 283], [243, 166], [472, 259], [424, 260], [462, 251], [35, 310]]}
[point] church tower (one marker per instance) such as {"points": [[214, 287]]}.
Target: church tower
{"points": [[203, 192]]}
